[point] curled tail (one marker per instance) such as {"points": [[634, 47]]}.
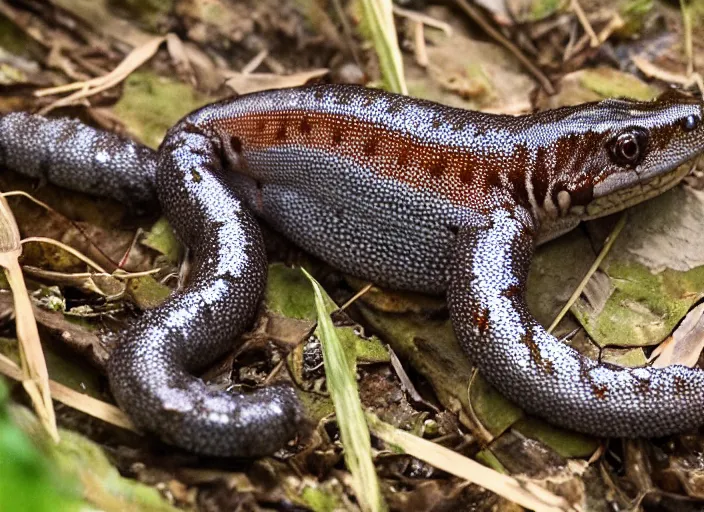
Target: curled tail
{"points": [[69, 154], [150, 371]]}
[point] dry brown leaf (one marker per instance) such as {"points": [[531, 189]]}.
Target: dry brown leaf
{"points": [[687, 341], [134, 59], [178, 53]]}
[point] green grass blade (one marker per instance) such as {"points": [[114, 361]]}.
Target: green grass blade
{"points": [[342, 385], [379, 20]]}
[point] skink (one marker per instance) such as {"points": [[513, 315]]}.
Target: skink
{"points": [[403, 192]]}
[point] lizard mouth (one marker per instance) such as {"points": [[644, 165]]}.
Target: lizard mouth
{"points": [[627, 197]]}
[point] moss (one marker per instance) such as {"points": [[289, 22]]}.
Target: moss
{"points": [[543, 8], [319, 500], [568, 444], [634, 14], [495, 412], [213, 13], [152, 14], [644, 307], [16, 42], [151, 104], [610, 83]]}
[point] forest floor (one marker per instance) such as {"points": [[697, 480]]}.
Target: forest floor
{"points": [[140, 66]]}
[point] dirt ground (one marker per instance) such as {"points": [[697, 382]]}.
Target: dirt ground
{"points": [[90, 265]]}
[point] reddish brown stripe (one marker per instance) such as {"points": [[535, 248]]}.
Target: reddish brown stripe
{"points": [[370, 146], [402, 160], [460, 175], [541, 173], [304, 126], [281, 132]]}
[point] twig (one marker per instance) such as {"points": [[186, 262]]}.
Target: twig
{"points": [[424, 19], [602, 254], [480, 20], [582, 17]]}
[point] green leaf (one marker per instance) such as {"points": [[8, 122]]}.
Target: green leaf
{"points": [[27, 479], [161, 238]]}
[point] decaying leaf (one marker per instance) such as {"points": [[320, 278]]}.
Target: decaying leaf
{"points": [[687, 341]]}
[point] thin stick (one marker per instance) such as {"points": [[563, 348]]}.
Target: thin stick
{"points": [[602, 254], [582, 17], [480, 20]]}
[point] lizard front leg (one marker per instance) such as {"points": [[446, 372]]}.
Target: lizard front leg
{"points": [[486, 297]]}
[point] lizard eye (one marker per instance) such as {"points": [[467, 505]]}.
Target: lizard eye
{"points": [[629, 147], [690, 123]]}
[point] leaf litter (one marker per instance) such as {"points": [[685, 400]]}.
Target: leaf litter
{"points": [[472, 419]]}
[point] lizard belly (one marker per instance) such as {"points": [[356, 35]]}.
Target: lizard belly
{"points": [[346, 214]]}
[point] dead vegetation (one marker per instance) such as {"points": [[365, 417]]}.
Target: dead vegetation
{"points": [[137, 67]]}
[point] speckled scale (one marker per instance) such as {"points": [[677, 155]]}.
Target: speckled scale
{"points": [[545, 376], [419, 196], [403, 192], [150, 370], [70, 154]]}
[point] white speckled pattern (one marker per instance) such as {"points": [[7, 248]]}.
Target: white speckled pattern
{"points": [[403, 192]]}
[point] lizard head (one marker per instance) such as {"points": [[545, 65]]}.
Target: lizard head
{"points": [[638, 149]]}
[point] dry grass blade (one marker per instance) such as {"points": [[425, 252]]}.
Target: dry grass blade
{"points": [[378, 15], [582, 17], [67, 248], [652, 71], [602, 254], [356, 296], [35, 377], [424, 19], [134, 59], [526, 494], [687, 34], [244, 83], [79, 401], [36, 201]]}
